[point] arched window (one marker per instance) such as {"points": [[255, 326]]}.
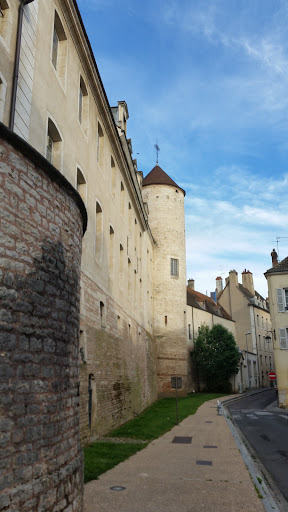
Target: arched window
{"points": [[113, 177], [3, 87], [99, 231], [122, 198], [83, 106], [121, 267], [5, 22], [111, 248], [54, 145], [102, 314], [59, 49], [100, 145], [129, 279], [81, 184]]}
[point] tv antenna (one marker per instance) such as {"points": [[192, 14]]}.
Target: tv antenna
{"points": [[277, 242], [157, 151]]}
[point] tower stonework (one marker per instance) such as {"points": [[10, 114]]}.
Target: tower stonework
{"points": [[165, 202]]}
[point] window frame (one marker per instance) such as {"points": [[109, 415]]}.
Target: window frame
{"points": [[174, 267], [282, 299], [283, 335], [59, 50]]}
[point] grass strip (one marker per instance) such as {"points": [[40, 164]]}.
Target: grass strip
{"points": [[100, 457], [161, 416], [150, 424]]}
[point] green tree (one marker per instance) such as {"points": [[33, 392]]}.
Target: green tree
{"points": [[216, 357]]}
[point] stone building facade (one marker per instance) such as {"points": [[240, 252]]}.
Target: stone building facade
{"points": [[58, 105], [42, 220]]}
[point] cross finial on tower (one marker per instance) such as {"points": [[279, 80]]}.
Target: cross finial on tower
{"points": [[157, 151]]}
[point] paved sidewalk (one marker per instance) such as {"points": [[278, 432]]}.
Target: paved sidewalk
{"points": [[207, 474]]}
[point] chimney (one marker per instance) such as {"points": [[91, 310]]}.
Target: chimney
{"points": [[121, 115], [219, 285], [274, 256], [191, 284], [233, 278], [247, 281], [139, 175]]}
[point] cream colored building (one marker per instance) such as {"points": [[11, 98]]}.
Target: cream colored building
{"points": [[277, 278], [202, 310], [252, 321], [133, 333]]}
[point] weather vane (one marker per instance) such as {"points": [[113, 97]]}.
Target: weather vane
{"points": [[157, 151]]}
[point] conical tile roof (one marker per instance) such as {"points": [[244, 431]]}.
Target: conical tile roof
{"points": [[158, 177]]}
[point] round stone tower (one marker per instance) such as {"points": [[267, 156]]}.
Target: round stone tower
{"points": [[165, 202]]}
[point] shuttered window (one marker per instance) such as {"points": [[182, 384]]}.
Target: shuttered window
{"points": [[283, 338], [280, 300]]}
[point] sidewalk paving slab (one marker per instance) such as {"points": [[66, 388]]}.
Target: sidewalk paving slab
{"points": [[177, 477]]}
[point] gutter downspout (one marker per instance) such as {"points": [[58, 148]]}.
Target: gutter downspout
{"points": [[16, 62]]}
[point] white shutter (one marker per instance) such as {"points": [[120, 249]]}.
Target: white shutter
{"points": [[280, 300], [283, 338]]}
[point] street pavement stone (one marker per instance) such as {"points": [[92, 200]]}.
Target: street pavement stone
{"points": [[167, 476]]}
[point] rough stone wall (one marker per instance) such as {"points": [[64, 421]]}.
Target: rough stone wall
{"points": [[40, 251], [121, 361]]}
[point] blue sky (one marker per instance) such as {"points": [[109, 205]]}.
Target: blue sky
{"points": [[208, 79]]}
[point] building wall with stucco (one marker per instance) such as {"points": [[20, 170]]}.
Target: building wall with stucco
{"points": [[251, 314], [279, 319]]}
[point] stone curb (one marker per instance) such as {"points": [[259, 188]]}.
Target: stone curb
{"points": [[253, 467]]}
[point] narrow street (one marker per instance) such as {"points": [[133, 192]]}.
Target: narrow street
{"points": [[265, 427]]}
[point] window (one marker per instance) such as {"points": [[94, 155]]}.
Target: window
{"points": [[121, 267], [189, 332], [102, 314], [5, 22], [257, 320], [282, 299], [83, 106], [81, 184], [122, 198], [100, 145], [176, 382], [259, 341], [111, 248], [59, 49], [283, 338], [174, 267], [99, 231], [3, 87], [55, 47], [129, 279], [166, 320], [54, 145], [261, 359], [113, 170]]}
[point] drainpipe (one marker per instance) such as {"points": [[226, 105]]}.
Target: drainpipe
{"points": [[16, 61]]}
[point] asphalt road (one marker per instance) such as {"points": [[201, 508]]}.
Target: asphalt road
{"points": [[266, 429]]}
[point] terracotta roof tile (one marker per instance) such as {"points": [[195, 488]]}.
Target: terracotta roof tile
{"points": [[158, 177], [201, 301]]}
